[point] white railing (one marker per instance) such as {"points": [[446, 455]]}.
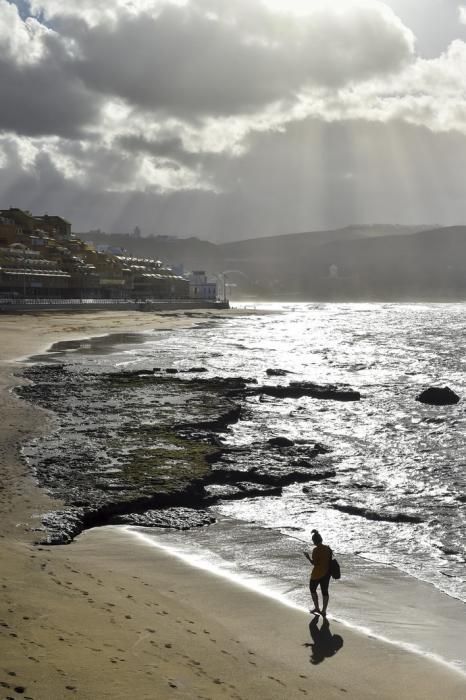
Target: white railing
{"points": [[19, 301]]}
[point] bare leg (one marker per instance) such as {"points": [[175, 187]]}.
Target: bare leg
{"points": [[324, 606], [315, 600]]}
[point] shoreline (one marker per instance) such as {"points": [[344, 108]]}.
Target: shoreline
{"points": [[61, 636], [398, 601]]}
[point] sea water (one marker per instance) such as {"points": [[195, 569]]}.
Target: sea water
{"points": [[392, 455]]}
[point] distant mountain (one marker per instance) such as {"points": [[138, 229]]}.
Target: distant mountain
{"points": [[353, 263]]}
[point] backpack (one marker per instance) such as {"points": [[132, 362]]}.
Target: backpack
{"points": [[335, 569]]}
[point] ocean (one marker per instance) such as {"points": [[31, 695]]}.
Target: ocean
{"points": [[395, 511]]}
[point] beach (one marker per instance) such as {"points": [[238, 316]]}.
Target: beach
{"points": [[111, 617]]}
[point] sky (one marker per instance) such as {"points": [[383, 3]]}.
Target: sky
{"points": [[231, 119]]}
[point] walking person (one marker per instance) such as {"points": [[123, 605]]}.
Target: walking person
{"points": [[320, 558]]}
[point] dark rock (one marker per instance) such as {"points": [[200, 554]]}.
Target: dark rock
{"points": [[277, 372], [319, 476], [280, 442], [132, 373], [215, 492], [171, 370], [449, 552], [265, 472], [198, 370], [62, 526], [321, 449], [219, 424], [296, 390], [305, 462], [438, 396], [376, 515], [176, 518], [302, 463]]}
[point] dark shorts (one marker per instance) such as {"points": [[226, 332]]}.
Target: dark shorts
{"points": [[322, 582]]}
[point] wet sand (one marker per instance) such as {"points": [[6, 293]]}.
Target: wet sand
{"points": [[110, 617]]}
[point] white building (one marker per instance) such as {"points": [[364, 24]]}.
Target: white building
{"points": [[200, 287]]}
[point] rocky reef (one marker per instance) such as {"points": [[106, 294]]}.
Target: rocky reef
{"points": [[145, 447]]}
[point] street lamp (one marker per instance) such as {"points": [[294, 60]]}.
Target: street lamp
{"points": [[224, 274]]}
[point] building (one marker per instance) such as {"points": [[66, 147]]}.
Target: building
{"points": [[147, 278], [24, 273], [24, 220], [52, 225], [9, 231], [40, 257], [55, 224], [200, 287]]}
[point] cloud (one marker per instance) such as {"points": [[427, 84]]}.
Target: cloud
{"points": [[228, 119], [203, 59], [94, 13], [20, 41], [191, 61], [311, 175], [39, 95], [169, 149], [427, 93]]}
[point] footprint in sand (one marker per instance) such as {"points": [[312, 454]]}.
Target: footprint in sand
{"points": [[277, 680]]}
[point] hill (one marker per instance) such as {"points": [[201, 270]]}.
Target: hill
{"points": [[354, 263]]}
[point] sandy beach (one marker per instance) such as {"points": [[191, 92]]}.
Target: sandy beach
{"points": [[111, 617]]}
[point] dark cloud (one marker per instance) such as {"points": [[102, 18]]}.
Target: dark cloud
{"points": [[39, 94], [170, 148], [42, 99], [41, 187], [186, 62]]}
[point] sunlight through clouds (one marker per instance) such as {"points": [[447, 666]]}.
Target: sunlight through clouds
{"points": [[178, 96]]}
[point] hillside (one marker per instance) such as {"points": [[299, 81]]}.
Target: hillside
{"points": [[358, 262]]}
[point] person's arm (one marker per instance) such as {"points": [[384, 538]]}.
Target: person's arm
{"points": [[306, 554]]}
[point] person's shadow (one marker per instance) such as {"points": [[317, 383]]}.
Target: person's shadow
{"points": [[324, 644]]}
